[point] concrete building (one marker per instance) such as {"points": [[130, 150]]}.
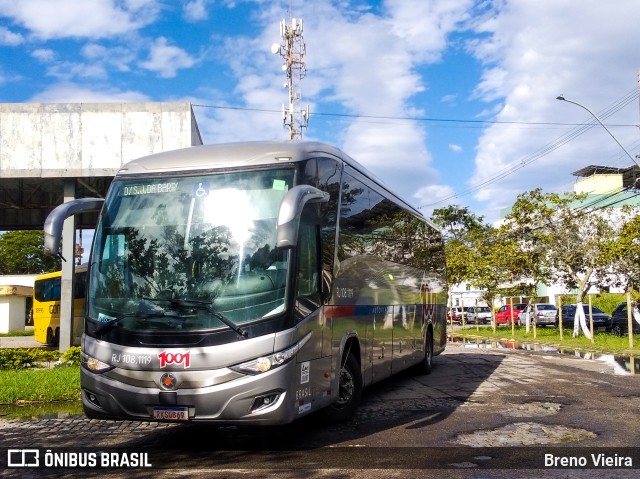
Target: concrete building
{"points": [[16, 299], [52, 153]]}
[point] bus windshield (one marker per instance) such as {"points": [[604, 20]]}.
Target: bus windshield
{"points": [[190, 253]]}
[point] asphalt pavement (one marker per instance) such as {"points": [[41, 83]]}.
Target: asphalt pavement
{"points": [[481, 413]]}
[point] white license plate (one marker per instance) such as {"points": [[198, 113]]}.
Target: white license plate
{"points": [[171, 413]]}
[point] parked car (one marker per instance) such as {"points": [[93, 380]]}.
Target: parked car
{"points": [[619, 320], [544, 314], [478, 314], [503, 315], [454, 313], [600, 318]]}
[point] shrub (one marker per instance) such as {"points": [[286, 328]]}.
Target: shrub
{"points": [[71, 357], [21, 358]]}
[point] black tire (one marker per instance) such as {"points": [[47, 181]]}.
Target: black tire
{"points": [[51, 339], [349, 392], [617, 330], [425, 366]]}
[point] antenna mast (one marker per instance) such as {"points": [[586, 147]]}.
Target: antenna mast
{"points": [[293, 51]]}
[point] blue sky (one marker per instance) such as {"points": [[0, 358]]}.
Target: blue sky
{"points": [[449, 101]]}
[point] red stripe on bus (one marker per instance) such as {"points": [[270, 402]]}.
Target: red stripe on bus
{"points": [[339, 311]]}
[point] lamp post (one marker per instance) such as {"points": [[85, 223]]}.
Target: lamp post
{"points": [[562, 98]]}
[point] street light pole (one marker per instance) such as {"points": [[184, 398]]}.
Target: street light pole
{"points": [[562, 98]]}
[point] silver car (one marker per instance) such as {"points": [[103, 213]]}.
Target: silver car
{"points": [[478, 314], [544, 314]]}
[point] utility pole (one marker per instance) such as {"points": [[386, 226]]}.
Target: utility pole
{"points": [[293, 51]]}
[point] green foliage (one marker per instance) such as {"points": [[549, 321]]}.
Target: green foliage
{"points": [[603, 342], [607, 302], [40, 385], [71, 357], [21, 252], [464, 234], [569, 247], [17, 333], [20, 358], [476, 253]]}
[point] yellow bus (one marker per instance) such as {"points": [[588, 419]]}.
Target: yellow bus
{"points": [[46, 306]]}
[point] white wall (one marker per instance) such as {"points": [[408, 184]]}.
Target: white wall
{"points": [[12, 313], [88, 139]]}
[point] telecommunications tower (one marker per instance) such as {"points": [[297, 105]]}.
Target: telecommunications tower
{"points": [[293, 51]]}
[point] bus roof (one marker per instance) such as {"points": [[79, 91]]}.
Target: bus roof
{"points": [[80, 268], [245, 154]]}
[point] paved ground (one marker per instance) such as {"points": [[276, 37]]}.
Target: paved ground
{"points": [[511, 406], [19, 342]]}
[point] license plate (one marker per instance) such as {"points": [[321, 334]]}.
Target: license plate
{"points": [[171, 413]]}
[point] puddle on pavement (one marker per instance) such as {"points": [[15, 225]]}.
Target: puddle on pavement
{"points": [[48, 410], [525, 434], [620, 364]]}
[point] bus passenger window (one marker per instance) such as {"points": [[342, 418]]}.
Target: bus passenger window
{"points": [[308, 260]]}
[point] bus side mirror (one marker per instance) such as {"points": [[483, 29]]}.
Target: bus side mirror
{"points": [[290, 210], [54, 222]]}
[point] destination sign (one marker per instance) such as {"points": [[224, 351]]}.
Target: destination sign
{"points": [[150, 189]]}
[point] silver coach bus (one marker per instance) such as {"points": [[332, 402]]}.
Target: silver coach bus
{"points": [[252, 283]]}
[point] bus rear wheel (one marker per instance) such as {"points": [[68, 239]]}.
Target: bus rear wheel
{"points": [[349, 391], [51, 339], [425, 366]]}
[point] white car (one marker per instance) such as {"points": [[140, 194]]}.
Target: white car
{"points": [[478, 314], [544, 314]]}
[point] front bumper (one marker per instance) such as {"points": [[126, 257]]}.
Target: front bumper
{"points": [[233, 402]]}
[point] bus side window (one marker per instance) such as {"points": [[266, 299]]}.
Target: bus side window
{"points": [[308, 274]]}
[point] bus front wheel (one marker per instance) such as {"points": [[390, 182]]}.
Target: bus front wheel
{"points": [[349, 391]]}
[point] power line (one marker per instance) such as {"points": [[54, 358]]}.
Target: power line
{"points": [[408, 118], [547, 149]]}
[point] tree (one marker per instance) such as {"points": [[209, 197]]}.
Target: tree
{"points": [[477, 253], [460, 228], [22, 252], [570, 246], [625, 254]]}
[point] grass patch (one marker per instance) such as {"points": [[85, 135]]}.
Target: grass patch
{"points": [[603, 342], [19, 332], [32, 385], [40, 410]]}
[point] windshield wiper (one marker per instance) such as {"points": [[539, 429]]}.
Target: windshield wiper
{"points": [[206, 306], [145, 310]]}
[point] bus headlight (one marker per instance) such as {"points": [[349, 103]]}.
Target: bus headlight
{"points": [[267, 363], [95, 365]]}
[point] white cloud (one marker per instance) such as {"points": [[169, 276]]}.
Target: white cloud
{"points": [[455, 148], [74, 93], [68, 71], [431, 194], [366, 62], [531, 52], [47, 19], [44, 55], [166, 59], [450, 99], [119, 57], [195, 10], [7, 37]]}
